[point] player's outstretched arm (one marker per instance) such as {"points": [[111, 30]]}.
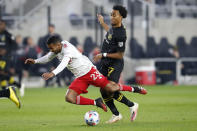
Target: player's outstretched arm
{"points": [[29, 61], [44, 59], [101, 21]]}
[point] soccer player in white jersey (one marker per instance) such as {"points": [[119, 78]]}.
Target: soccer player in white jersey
{"points": [[85, 72]]}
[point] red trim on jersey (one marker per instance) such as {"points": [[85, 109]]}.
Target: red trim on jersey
{"points": [[65, 45]]}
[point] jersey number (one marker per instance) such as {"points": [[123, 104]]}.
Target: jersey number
{"points": [[96, 75], [110, 70]]}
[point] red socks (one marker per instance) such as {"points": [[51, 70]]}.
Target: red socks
{"points": [[84, 101], [125, 88]]}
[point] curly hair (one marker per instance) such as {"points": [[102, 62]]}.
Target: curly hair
{"points": [[53, 39], [122, 10]]}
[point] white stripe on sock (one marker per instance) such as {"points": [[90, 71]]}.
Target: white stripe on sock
{"points": [[78, 100]]}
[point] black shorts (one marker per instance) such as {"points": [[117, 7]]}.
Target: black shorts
{"points": [[112, 71]]}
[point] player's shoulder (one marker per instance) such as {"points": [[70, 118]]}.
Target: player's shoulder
{"points": [[120, 31], [66, 44]]}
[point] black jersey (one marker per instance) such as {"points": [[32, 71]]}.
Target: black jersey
{"points": [[7, 41], [4, 68], [4, 64], [114, 42]]}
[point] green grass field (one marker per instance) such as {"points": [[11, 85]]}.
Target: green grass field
{"points": [[164, 108]]}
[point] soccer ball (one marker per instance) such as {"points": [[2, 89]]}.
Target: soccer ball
{"points": [[91, 118]]}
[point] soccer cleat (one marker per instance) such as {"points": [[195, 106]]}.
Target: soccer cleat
{"points": [[13, 97], [99, 103], [114, 119], [22, 90], [134, 110], [140, 90]]}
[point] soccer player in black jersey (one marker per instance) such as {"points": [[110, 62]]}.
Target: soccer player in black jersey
{"points": [[112, 62], [7, 47], [7, 92], [11, 94]]}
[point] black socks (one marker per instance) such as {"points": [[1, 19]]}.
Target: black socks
{"points": [[121, 98]]}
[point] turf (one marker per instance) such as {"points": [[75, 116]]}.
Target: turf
{"points": [[164, 108]]}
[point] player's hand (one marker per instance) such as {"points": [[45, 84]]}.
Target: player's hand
{"points": [[47, 75], [97, 57], [100, 18], [29, 61]]}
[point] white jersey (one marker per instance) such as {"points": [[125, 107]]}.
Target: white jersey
{"points": [[69, 57]]}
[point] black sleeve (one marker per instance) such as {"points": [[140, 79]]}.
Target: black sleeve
{"points": [[120, 39], [10, 41], [8, 65]]}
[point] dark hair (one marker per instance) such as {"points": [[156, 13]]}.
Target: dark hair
{"points": [[52, 25], [53, 40], [122, 10]]}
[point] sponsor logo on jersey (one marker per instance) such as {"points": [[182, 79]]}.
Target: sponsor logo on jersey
{"points": [[120, 44], [109, 36]]}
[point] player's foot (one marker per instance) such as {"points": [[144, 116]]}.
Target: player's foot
{"points": [[134, 110], [140, 90], [22, 90], [13, 97], [114, 119], [99, 103]]}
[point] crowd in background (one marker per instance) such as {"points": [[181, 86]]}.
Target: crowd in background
{"points": [[19, 48]]}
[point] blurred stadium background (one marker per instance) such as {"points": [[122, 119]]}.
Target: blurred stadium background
{"points": [[161, 36]]}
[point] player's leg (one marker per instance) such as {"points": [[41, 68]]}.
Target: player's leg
{"points": [[17, 84], [108, 87], [73, 95], [117, 95], [121, 98], [11, 94], [11, 81], [135, 89], [114, 75], [73, 98], [108, 99]]}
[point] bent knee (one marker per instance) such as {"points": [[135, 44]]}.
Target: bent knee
{"points": [[70, 99], [112, 87]]}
